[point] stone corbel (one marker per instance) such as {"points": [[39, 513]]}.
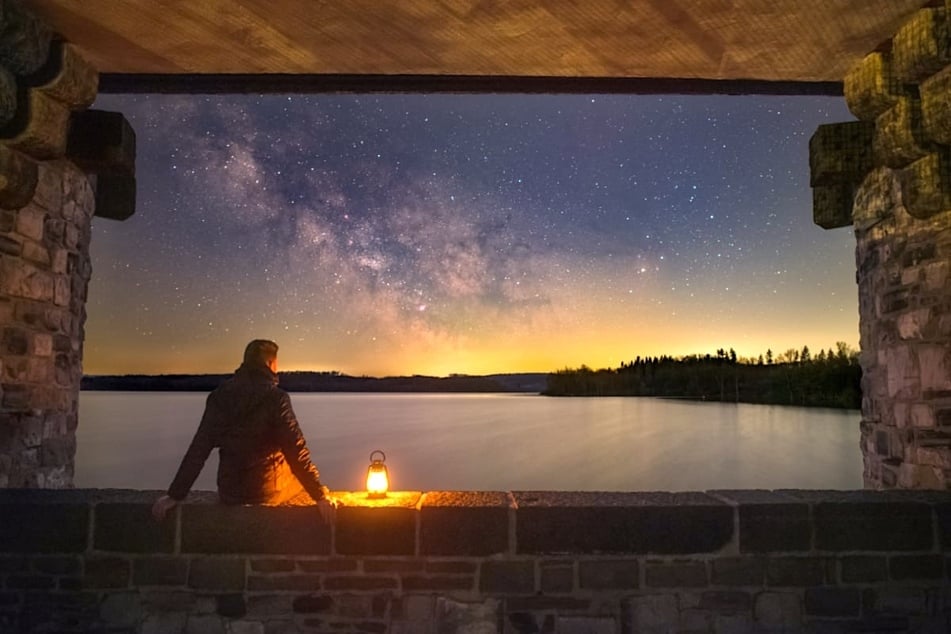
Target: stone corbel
{"points": [[103, 143]]}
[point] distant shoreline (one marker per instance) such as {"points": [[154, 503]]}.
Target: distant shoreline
{"points": [[326, 382]]}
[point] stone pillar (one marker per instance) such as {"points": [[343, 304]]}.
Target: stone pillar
{"points": [[46, 207], [889, 175]]}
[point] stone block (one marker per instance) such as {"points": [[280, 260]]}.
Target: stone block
{"points": [[230, 606], [922, 46], [115, 196], [859, 569], [102, 142], [832, 601], [588, 522], [10, 246], [272, 565], [778, 611], [43, 528], [438, 583], [216, 573], [935, 106], [795, 571], [895, 600], [467, 523], [726, 601], [677, 574], [472, 618], [24, 39], [359, 584], [832, 205], [621, 574], [313, 603], [121, 609], [915, 567], [8, 96], [650, 613], [871, 87], [106, 572], [738, 571], [18, 178], [31, 221], [38, 128], [556, 578], [844, 526], [284, 582], [899, 135], [450, 567], [159, 571], [376, 531], [776, 527], [130, 528], [327, 565], [507, 577], [841, 153], [585, 625], [926, 185], [66, 76], [215, 528]]}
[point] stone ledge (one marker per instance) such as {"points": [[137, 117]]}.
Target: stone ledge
{"points": [[487, 524]]}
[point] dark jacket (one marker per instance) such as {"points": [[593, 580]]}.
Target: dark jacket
{"points": [[263, 458]]}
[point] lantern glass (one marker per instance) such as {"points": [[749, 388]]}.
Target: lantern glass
{"points": [[378, 481]]}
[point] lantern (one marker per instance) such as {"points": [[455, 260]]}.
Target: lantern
{"points": [[378, 480]]}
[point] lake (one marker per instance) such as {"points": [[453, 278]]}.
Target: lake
{"points": [[502, 442]]}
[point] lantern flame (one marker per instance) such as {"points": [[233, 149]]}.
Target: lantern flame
{"points": [[378, 481]]}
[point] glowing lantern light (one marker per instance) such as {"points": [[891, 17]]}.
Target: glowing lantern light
{"points": [[378, 480]]}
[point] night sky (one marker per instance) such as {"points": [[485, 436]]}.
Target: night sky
{"points": [[433, 234]]}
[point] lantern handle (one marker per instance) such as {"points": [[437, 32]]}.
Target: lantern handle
{"points": [[377, 451]]}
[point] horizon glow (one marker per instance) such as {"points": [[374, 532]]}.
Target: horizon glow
{"points": [[437, 234]]}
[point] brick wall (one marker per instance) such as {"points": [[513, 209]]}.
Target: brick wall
{"points": [[717, 562]]}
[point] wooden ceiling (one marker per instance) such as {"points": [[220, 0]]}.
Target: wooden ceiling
{"points": [[793, 42]]}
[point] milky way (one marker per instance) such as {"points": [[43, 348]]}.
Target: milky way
{"points": [[398, 234]]}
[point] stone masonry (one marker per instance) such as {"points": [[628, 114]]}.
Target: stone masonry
{"points": [[480, 562], [889, 175], [47, 201]]}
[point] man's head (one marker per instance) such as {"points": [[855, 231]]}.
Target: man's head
{"points": [[261, 352]]}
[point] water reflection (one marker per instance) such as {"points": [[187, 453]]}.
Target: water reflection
{"points": [[497, 442]]}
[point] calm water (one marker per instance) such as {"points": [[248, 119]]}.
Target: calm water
{"points": [[496, 442]]}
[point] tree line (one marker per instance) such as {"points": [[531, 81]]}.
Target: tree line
{"points": [[829, 378]]}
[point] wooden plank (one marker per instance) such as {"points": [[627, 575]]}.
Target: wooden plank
{"points": [[315, 84]]}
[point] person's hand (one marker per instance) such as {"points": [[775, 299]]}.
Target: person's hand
{"points": [[162, 506], [326, 508]]}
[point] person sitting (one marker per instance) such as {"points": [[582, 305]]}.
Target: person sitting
{"points": [[263, 457]]}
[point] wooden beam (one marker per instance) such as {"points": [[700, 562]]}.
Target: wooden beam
{"points": [[468, 84]]}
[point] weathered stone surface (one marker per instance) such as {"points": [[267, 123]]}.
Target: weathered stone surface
{"points": [[66, 77], [936, 107], [926, 185], [216, 573], [507, 577], [650, 613], [472, 618], [131, 528], [115, 196], [841, 153], [619, 574], [621, 522], [159, 571], [922, 46], [871, 87], [24, 39], [39, 126], [376, 531], [235, 529], [776, 527], [102, 142], [8, 96], [43, 528], [18, 178], [832, 205], [899, 135], [899, 526], [453, 523]]}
